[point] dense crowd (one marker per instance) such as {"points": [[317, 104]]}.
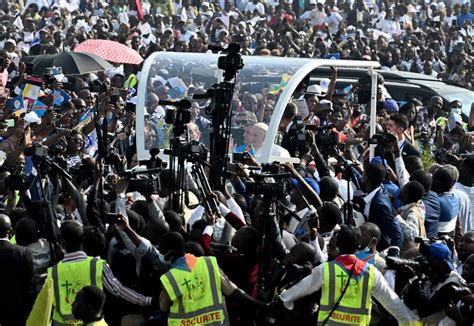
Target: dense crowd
{"points": [[72, 216]]}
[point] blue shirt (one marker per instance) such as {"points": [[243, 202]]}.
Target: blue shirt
{"points": [[432, 212], [449, 206], [462, 17]]}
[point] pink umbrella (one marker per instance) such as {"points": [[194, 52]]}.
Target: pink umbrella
{"points": [[110, 51]]}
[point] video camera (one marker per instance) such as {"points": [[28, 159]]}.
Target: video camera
{"points": [[97, 87], [46, 161], [268, 188], [326, 139], [231, 63], [147, 181], [384, 139], [421, 263]]}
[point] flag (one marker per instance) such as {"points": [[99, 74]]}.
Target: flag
{"points": [[137, 5], [60, 97], [140, 14], [18, 23], [32, 88], [85, 119], [16, 103], [39, 108], [278, 88]]}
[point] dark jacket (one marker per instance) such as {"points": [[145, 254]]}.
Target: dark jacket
{"points": [[17, 284], [380, 213], [409, 150]]}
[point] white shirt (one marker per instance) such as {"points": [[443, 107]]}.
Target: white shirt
{"points": [[465, 195], [317, 17], [388, 26], [380, 291], [333, 22], [433, 74], [250, 7], [368, 200]]}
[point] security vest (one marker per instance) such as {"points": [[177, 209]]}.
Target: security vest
{"points": [[196, 294], [69, 278], [356, 304]]}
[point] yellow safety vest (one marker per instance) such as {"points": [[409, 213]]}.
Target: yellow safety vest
{"points": [[356, 304], [196, 295], [69, 278]]}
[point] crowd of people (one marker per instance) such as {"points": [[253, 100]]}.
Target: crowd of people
{"points": [[84, 241]]}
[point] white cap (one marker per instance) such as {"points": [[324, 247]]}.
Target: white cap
{"points": [[312, 2], [205, 4], [12, 41], [314, 90], [262, 126], [441, 5]]}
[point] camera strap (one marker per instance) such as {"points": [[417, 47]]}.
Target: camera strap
{"points": [[342, 294]]}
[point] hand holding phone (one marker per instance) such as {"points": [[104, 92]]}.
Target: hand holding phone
{"points": [[115, 218]]}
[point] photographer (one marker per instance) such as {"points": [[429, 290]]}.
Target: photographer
{"points": [[443, 288], [292, 128]]}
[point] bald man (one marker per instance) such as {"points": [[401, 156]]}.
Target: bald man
{"points": [[16, 278]]}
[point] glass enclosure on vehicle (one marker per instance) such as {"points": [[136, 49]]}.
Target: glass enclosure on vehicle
{"points": [[175, 76]]}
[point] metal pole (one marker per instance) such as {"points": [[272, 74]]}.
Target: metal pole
{"points": [[373, 109]]}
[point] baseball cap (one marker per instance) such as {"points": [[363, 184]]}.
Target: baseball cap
{"points": [[379, 160], [441, 251], [390, 105]]}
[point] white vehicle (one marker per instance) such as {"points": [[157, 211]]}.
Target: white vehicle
{"points": [[170, 69]]}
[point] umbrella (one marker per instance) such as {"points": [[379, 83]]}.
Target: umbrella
{"points": [[110, 51], [72, 63]]}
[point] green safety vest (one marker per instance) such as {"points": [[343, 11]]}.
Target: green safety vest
{"points": [[196, 295], [356, 304], [69, 278]]}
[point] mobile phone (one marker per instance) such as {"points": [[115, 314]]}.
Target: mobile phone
{"points": [[240, 157], [114, 98], [130, 107], [114, 218]]}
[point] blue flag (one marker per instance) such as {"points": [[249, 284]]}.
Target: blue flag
{"points": [[16, 103], [39, 108], [60, 97]]}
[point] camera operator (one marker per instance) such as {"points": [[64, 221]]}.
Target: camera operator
{"points": [[292, 128], [444, 286], [294, 266]]}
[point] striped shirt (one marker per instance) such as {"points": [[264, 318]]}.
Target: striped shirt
{"points": [[111, 283]]}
